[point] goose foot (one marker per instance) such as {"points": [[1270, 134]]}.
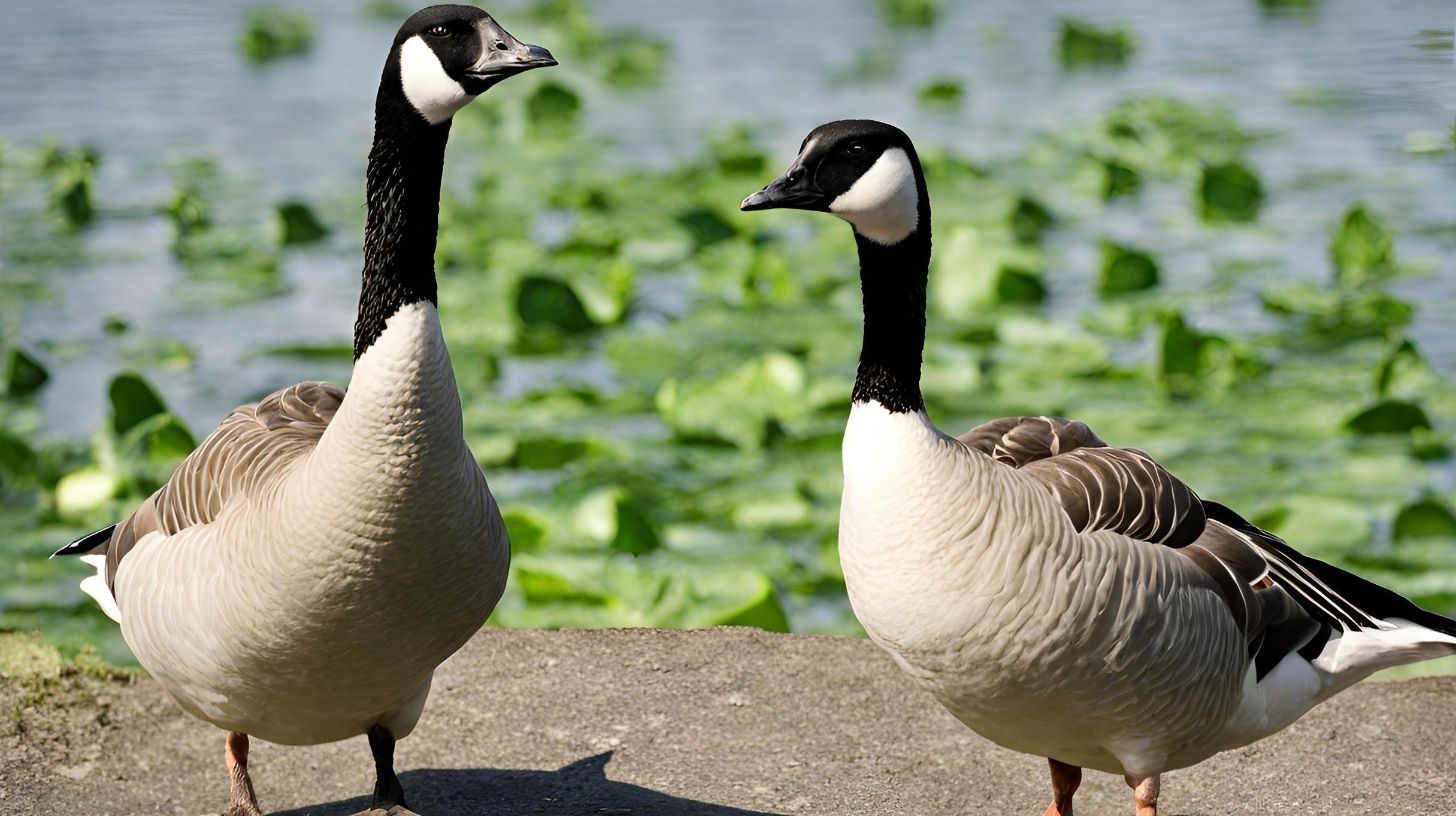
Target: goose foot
{"points": [[1145, 791], [1065, 781], [379, 810], [242, 801]]}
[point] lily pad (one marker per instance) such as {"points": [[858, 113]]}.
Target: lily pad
{"points": [[1125, 270], [133, 400], [1229, 192], [1426, 518], [24, 375], [1085, 44]]}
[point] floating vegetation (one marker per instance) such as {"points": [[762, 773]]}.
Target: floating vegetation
{"points": [[1229, 192], [273, 32], [297, 224], [657, 384], [1125, 270], [24, 375], [910, 13], [1084, 44], [941, 93], [72, 174]]}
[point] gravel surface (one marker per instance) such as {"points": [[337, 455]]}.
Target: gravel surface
{"points": [[719, 722]]}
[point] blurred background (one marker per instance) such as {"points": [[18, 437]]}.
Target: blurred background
{"points": [[1227, 236]]}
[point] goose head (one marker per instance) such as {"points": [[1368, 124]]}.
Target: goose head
{"points": [[446, 56], [863, 171]]}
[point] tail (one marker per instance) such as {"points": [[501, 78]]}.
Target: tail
{"points": [[92, 550], [1364, 626]]}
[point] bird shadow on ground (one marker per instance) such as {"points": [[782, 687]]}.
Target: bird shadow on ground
{"points": [[579, 788]]}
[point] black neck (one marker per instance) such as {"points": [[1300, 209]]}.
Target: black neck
{"points": [[403, 197], [893, 279]]}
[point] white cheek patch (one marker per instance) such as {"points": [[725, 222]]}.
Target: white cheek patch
{"points": [[426, 85], [883, 204]]}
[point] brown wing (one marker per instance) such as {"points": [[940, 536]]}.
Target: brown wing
{"points": [[1123, 490], [247, 449], [1016, 441], [1101, 488]]}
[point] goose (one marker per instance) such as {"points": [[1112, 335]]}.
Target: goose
{"points": [[1061, 597], [304, 571]]}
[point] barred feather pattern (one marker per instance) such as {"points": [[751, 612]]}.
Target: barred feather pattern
{"points": [[255, 443]]}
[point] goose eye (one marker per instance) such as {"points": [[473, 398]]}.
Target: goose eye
{"points": [[500, 45], [438, 31], [855, 149]]}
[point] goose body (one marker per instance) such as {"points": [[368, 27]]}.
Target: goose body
{"points": [[305, 570], [1061, 597], [298, 613]]}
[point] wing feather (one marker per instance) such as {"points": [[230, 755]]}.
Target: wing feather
{"points": [[253, 445]]}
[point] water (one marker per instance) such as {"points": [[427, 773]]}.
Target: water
{"points": [[148, 81]]}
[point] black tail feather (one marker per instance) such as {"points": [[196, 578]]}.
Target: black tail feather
{"points": [[87, 543], [1355, 598]]}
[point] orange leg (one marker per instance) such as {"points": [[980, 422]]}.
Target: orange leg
{"points": [[243, 802], [1065, 780], [1145, 791]]}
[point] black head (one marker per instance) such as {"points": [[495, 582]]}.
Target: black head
{"points": [[863, 171], [448, 55]]}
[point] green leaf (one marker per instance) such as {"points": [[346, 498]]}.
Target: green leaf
{"points": [[24, 375], [1340, 313], [1030, 220], [546, 452], [1016, 285], [83, 491], [633, 60], [133, 401], [1404, 372], [941, 93], [527, 529], [1319, 525], [1389, 416], [1119, 180], [297, 224], [553, 109], [1229, 192], [188, 211], [1180, 354], [16, 457], [542, 301], [736, 407], [1084, 44], [170, 440], [73, 177], [706, 226], [1362, 249], [1125, 270], [1426, 518], [311, 351], [612, 516], [272, 32], [910, 13], [739, 598]]}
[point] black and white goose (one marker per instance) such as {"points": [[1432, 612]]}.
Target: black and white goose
{"points": [[1061, 597], [304, 571]]}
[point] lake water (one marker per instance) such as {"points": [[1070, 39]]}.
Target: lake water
{"points": [[1343, 87]]}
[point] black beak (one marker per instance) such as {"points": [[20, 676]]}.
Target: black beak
{"points": [[537, 57], [516, 58], [791, 191]]}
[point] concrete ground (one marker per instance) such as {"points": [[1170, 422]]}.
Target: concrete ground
{"points": [[725, 722]]}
